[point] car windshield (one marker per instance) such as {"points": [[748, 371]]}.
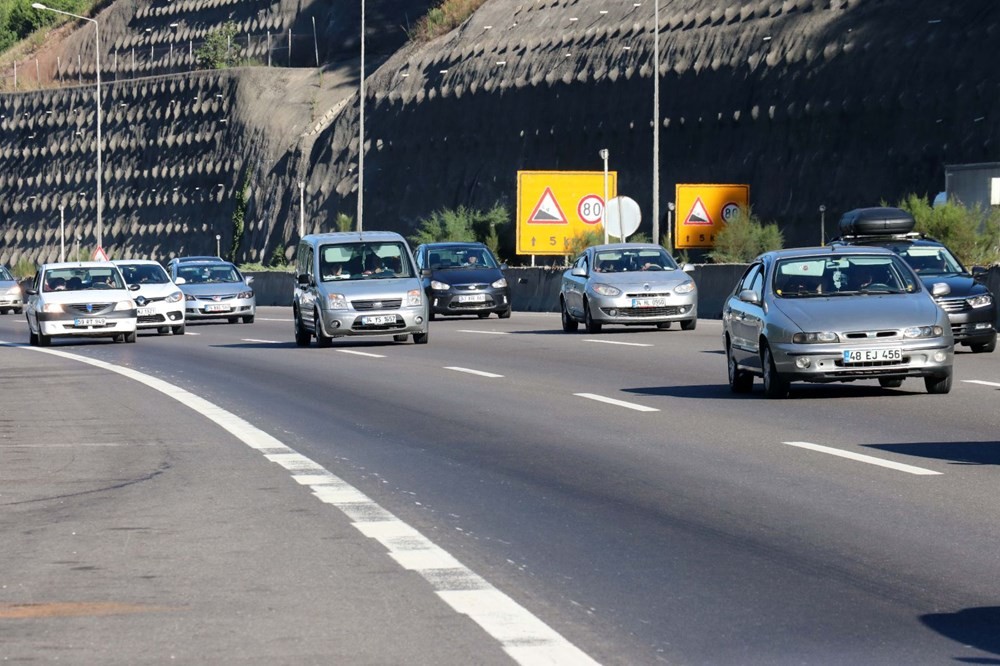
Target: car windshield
{"points": [[364, 261], [458, 256], [842, 275], [638, 259], [5, 274], [931, 260], [208, 274], [144, 274], [79, 278]]}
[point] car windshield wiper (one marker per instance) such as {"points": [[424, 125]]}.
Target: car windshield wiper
{"points": [[880, 290]]}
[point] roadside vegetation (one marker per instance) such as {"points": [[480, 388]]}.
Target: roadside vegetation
{"points": [[444, 18], [972, 233], [19, 20], [220, 49], [464, 225], [744, 237]]}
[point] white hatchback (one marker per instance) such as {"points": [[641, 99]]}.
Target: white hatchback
{"points": [[159, 302], [80, 299]]}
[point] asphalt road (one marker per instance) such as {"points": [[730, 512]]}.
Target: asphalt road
{"points": [[609, 487]]}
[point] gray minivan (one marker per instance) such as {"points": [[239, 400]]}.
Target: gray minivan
{"points": [[357, 283]]}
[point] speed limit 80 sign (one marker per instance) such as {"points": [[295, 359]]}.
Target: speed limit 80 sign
{"points": [[703, 210]]}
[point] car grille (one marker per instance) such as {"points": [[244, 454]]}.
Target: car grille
{"points": [[644, 312], [386, 304], [873, 364], [221, 297], [868, 335], [954, 305], [96, 308], [649, 294], [151, 319]]}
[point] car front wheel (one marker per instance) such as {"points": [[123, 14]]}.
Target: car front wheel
{"points": [[302, 336], [938, 385], [775, 386], [568, 323], [591, 325], [322, 339], [740, 381]]}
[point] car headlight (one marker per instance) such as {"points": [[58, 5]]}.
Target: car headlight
{"points": [[336, 302], [414, 297], [442, 286], [174, 297], [606, 290], [190, 297], [923, 332], [817, 338], [52, 307], [684, 287], [14, 291], [980, 301], [499, 284], [245, 294], [124, 305]]}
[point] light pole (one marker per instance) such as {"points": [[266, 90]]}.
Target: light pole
{"points": [[822, 224], [361, 126], [656, 122], [302, 209], [97, 60], [218, 245], [670, 228], [604, 213], [62, 233]]}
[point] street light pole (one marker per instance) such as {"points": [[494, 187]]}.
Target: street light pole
{"points": [[822, 224], [97, 59], [62, 233], [604, 213], [218, 245], [302, 209], [670, 228], [361, 126], [656, 122]]}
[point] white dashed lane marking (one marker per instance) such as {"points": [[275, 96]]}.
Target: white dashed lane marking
{"points": [[618, 342], [617, 403], [470, 371], [360, 353], [264, 342], [469, 330], [981, 382], [860, 457]]}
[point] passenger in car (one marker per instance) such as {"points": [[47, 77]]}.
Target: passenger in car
{"points": [[55, 284]]}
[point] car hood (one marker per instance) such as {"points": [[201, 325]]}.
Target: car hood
{"points": [[214, 288], [7, 284], [156, 290], [467, 275], [864, 312], [961, 285], [655, 279]]}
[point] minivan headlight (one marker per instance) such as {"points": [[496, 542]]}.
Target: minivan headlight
{"points": [[441, 286], [980, 301], [499, 284], [923, 332], [336, 302], [820, 337], [414, 297]]}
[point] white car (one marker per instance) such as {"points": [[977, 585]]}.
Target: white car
{"points": [[159, 302], [81, 299]]}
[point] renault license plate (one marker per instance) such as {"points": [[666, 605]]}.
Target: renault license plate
{"points": [[378, 320], [649, 302], [873, 355], [88, 321], [145, 312]]}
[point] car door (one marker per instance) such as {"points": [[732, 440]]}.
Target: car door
{"points": [[744, 318], [31, 303], [573, 285]]}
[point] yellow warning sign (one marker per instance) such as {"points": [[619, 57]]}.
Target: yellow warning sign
{"points": [[702, 211], [553, 207]]}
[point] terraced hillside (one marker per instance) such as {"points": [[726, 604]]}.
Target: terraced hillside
{"points": [[839, 102]]}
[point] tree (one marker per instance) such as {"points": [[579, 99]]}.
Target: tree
{"points": [[219, 51], [461, 224], [744, 237]]}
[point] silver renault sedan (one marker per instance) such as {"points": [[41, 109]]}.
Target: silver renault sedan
{"points": [[835, 314], [630, 284], [11, 298]]}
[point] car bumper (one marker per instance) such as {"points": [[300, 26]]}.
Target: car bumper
{"points": [[235, 307], [401, 321], [453, 303], [821, 363], [155, 315], [624, 309], [58, 325], [973, 326], [11, 302]]}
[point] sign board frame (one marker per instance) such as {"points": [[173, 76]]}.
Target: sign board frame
{"points": [[702, 210], [550, 208]]}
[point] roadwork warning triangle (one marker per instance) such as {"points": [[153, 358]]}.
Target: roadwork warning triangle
{"points": [[698, 215], [99, 255], [547, 211]]}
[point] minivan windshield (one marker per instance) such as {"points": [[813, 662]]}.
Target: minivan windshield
{"points": [[365, 260], [843, 275]]}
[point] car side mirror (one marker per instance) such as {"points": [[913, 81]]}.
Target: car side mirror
{"points": [[940, 289], [180, 281], [750, 296], [133, 287], [503, 267], [426, 272], [31, 292], [688, 268], [303, 279], [248, 279], [979, 272], [579, 271]]}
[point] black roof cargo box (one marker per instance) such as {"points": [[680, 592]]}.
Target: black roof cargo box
{"points": [[879, 221]]}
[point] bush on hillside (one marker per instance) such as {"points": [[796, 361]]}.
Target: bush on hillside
{"points": [[462, 224], [219, 50], [970, 232], [18, 18], [444, 18], [744, 237]]}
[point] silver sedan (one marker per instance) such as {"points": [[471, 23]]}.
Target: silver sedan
{"points": [[835, 315], [630, 284]]}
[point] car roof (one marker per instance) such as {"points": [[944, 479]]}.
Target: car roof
{"points": [[352, 237], [827, 249], [196, 258], [146, 262], [454, 244], [627, 246], [77, 264], [205, 262]]}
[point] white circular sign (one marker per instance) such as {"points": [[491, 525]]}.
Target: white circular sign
{"points": [[730, 210], [623, 218], [591, 209]]}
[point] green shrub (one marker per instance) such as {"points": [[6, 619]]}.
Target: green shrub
{"points": [[579, 243], [343, 222], [744, 237], [444, 18], [970, 232], [219, 50], [461, 224]]}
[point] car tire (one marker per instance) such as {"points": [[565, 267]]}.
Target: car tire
{"points": [[302, 336], [775, 386], [689, 324], [18, 310], [248, 319], [234, 320], [44, 340], [588, 321], [663, 325], [421, 338], [431, 316], [890, 382], [32, 338], [505, 314], [568, 323], [163, 330], [740, 381], [118, 337], [483, 315], [401, 337], [938, 385], [985, 347], [131, 337], [178, 330], [322, 339]]}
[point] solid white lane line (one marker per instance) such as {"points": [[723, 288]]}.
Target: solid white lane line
{"points": [[617, 342], [469, 330], [267, 319], [860, 457], [470, 371], [263, 342], [524, 637], [979, 381], [617, 403], [360, 353]]}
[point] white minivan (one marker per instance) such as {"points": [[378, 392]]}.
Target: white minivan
{"points": [[357, 284]]}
